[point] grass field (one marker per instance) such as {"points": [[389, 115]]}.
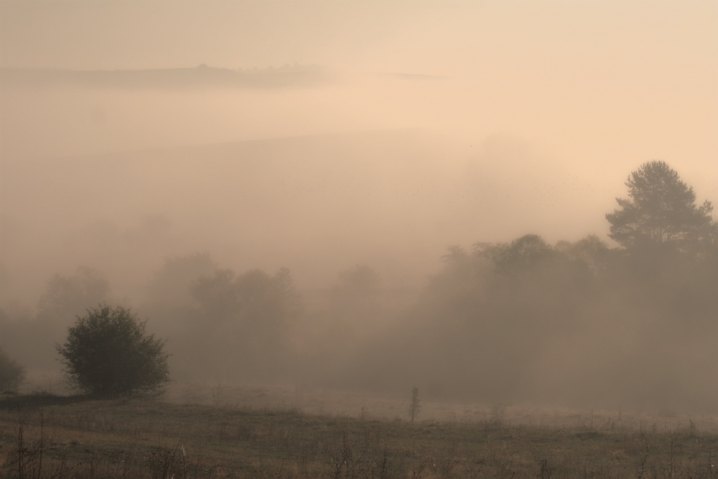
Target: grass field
{"points": [[46, 436]]}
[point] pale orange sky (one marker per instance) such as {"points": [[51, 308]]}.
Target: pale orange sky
{"points": [[588, 89], [628, 79]]}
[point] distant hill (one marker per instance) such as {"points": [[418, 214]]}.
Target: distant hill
{"points": [[200, 76]]}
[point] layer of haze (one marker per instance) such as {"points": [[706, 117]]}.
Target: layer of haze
{"points": [[432, 123]]}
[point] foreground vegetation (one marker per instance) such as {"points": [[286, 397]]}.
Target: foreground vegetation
{"points": [[53, 437]]}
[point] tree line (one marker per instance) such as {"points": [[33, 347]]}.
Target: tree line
{"points": [[575, 321]]}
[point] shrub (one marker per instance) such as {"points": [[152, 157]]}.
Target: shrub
{"points": [[11, 373], [109, 353]]}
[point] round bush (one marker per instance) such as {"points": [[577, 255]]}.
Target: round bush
{"points": [[108, 353]]}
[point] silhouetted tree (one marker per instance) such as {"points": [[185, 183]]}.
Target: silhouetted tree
{"points": [[66, 296], [522, 254], [660, 210], [254, 300], [170, 287], [360, 280], [109, 353], [11, 374], [169, 298], [241, 323], [590, 250]]}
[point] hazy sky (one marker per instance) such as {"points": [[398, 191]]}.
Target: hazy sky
{"points": [[588, 89], [621, 79], [434, 36]]}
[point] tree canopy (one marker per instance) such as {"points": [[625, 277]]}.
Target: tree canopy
{"points": [[660, 210]]}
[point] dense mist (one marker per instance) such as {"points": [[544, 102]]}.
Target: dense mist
{"points": [[370, 196]]}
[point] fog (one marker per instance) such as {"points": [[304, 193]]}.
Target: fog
{"points": [[352, 168]]}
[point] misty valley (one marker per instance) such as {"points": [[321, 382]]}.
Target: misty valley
{"points": [[392, 239], [573, 341]]}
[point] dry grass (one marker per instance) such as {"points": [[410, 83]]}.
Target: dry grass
{"points": [[53, 437]]}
